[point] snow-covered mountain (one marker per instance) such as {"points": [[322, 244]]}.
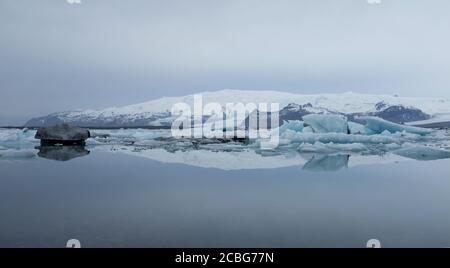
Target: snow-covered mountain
{"points": [[157, 112]]}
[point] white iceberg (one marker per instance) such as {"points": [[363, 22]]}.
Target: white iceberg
{"points": [[17, 138], [326, 123]]}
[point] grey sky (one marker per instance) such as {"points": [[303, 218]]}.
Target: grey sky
{"points": [[57, 56]]}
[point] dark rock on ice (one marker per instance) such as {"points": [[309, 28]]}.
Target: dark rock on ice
{"points": [[62, 134]]}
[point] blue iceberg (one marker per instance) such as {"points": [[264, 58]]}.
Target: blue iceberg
{"points": [[326, 123], [294, 125], [356, 128], [378, 126]]}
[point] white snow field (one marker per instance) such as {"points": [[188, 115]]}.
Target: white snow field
{"points": [[348, 102]]}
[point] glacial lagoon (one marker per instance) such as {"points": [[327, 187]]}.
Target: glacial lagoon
{"points": [[140, 188]]}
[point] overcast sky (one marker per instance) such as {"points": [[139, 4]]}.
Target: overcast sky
{"points": [[58, 56]]}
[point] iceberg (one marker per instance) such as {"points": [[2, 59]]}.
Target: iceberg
{"points": [[294, 125], [356, 128], [325, 123], [378, 125]]}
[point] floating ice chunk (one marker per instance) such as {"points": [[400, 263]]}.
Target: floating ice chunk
{"points": [[13, 135], [129, 134], [378, 125], [420, 152], [295, 125], [325, 123], [16, 138], [96, 134], [319, 147], [356, 128]]}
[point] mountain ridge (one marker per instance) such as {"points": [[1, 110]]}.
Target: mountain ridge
{"points": [[157, 112]]}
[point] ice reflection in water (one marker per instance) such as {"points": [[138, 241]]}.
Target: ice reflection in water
{"points": [[327, 162]]}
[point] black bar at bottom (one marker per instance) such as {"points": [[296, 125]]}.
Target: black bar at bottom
{"points": [[221, 257]]}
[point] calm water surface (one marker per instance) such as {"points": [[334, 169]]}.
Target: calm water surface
{"points": [[117, 200]]}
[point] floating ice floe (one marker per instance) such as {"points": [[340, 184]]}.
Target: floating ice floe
{"points": [[100, 136], [17, 138]]}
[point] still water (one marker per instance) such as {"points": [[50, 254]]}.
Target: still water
{"points": [[109, 199]]}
